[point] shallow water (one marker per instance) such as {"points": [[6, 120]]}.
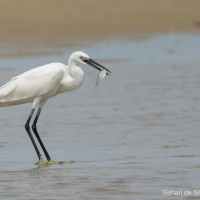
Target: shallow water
{"points": [[133, 137]]}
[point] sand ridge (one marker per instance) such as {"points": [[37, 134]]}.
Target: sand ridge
{"points": [[23, 21]]}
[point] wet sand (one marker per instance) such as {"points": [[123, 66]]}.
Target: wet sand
{"points": [[133, 137], [63, 22]]}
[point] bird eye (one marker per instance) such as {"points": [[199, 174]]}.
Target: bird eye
{"points": [[81, 57]]}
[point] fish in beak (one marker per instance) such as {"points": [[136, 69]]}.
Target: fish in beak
{"points": [[97, 66]]}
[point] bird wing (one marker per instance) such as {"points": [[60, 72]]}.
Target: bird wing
{"points": [[30, 84]]}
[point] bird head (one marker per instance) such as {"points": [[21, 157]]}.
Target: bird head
{"points": [[80, 57]]}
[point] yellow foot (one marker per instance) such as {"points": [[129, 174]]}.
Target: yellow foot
{"points": [[66, 162], [41, 161], [51, 162]]}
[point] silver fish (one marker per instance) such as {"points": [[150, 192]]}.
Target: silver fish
{"points": [[101, 76]]}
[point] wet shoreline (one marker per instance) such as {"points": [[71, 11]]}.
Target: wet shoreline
{"points": [[139, 132]]}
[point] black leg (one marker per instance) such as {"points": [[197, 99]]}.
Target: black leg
{"points": [[34, 127], [30, 135]]}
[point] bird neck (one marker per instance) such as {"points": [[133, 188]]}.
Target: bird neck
{"points": [[75, 71], [72, 62]]}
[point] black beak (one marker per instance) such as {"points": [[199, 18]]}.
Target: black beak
{"points": [[97, 65]]}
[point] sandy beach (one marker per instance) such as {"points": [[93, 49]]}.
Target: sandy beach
{"points": [[66, 21]]}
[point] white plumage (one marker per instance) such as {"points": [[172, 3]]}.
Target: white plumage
{"points": [[41, 83]]}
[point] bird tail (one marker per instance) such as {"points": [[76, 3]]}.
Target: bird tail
{"points": [[7, 91]]}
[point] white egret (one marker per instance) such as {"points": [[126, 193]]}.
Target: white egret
{"points": [[37, 85]]}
